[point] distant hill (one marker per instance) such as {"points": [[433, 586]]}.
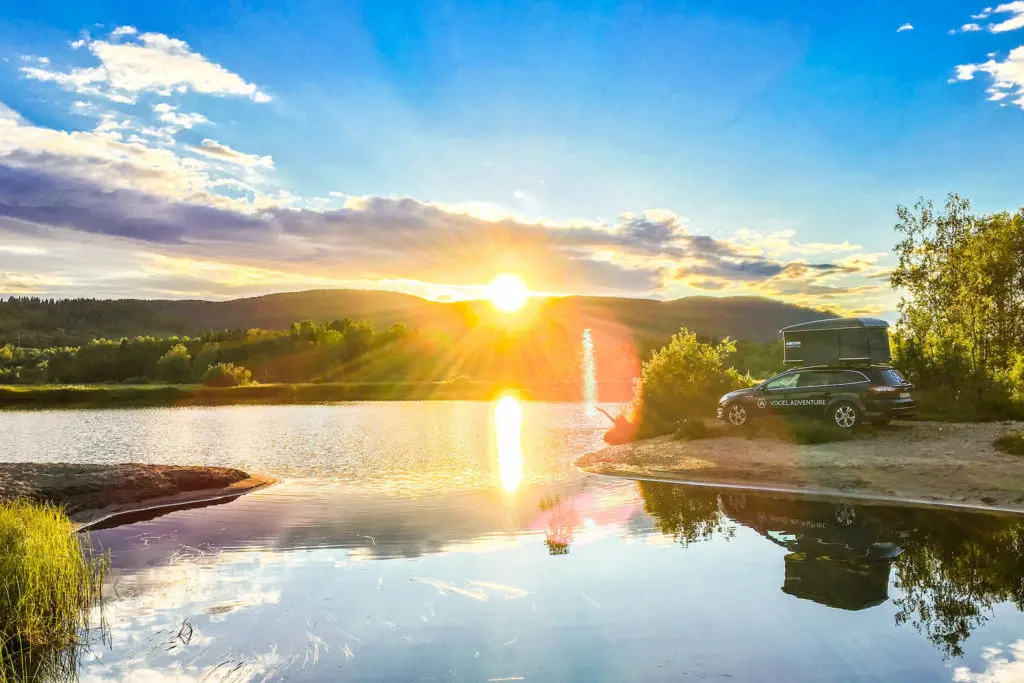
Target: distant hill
{"points": [[72, 322]]}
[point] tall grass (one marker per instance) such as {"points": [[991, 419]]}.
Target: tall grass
{"points": [[48, 584]]}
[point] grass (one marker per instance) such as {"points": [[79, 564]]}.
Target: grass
{"points": [[48, 585], [121, 395], [806, 432], [1010, 442], [693, 430]]}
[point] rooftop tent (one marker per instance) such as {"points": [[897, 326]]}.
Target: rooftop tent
{"points": [[837, 341]]}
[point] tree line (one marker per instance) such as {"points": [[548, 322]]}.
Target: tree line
{"points": [[304, 352], [960, 335]]}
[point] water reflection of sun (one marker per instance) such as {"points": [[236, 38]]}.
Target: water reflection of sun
{"points": [[508, 430]]}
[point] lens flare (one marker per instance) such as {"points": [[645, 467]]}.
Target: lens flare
{"points": [[508, 293], [589, 375], [508, 430]]}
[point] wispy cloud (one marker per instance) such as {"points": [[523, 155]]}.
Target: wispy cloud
{"points": [[215, 150], [905, 27]]}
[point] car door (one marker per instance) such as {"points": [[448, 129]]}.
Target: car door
{"points": [[778, 392], [812, 393]]}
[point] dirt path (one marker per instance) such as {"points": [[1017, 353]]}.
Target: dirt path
{"points": [[941, 462], [93, 492]]}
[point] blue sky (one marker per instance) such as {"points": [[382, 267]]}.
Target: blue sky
{"points": [[654, 149]]}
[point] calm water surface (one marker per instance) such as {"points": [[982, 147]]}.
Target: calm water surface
{"points": [[454, 541]]}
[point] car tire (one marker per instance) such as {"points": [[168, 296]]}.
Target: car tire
{"points": [[737, 415], [844, 415]]}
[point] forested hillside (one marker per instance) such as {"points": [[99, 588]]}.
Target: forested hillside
{"points": [[40, 323]]}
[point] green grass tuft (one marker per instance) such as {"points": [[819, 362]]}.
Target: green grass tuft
{"points": [[48, 585], [1010, 442]]}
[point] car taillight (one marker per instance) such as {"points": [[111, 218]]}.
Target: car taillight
{"points": [[882, 389]]}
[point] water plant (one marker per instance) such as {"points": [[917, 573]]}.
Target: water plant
{"points": [[49, 583]]}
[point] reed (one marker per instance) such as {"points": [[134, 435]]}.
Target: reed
{"points": [[49, 583]]}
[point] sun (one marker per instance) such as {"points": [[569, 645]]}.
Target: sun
{"points": [[508, 293]]}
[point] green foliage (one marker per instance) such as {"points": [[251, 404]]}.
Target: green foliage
{"points": [[48, 585], [227, 375], [175, 366], [961, 327], [683, 380], [1011, 442], [686, 513]]}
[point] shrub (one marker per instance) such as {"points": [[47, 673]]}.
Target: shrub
{"points": [[227, 375], [48, 584], [1010, 442], [683, 380]]}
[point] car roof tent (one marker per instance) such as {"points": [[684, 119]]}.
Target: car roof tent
{"points": [[837, 341]]}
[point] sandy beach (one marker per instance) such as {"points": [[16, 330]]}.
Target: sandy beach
{"points": [[928, 461], [90, 493]]}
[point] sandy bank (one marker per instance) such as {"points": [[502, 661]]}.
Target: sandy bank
{"points": [[931, 461], [93, 492]]}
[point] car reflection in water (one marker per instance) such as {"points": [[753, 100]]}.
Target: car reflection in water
{"points": [[841, 554], [951, 566]]}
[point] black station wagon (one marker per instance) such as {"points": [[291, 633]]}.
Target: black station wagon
{"points": [[846, 396]]}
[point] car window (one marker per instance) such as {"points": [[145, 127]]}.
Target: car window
{"points": [[847, 377], [892, 377], [784, 381], [816, 378]]}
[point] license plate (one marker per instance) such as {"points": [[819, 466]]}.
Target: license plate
{"points": [[904, 394]]}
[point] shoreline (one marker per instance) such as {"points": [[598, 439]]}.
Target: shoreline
{"points": [[43, 397], [93, 494], [916, 463]]}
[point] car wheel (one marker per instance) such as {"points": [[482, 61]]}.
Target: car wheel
{"points": [[845, 415], [737, 415]]}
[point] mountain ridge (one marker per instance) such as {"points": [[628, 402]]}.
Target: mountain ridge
{"points": [[71, 322]]}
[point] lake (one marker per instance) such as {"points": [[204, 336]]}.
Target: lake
{"points": [[453, 541]]}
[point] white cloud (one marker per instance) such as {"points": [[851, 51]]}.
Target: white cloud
{"points": [[968, 28], [1007, 76], [123, 31], [182, 119], [983, 14], [215, 150], [1016, 20], [151, 63], [905, 27], [998, 668]]}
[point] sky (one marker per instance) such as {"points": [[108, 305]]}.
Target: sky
{"points": [[216, 150]]}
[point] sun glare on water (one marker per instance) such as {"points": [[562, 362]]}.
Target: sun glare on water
{"points": [[508, 424], [508, 293]]}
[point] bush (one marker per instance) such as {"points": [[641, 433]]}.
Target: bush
{"points": [[47, 587], [1011, 443], [227, 375], [683, 380]]}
